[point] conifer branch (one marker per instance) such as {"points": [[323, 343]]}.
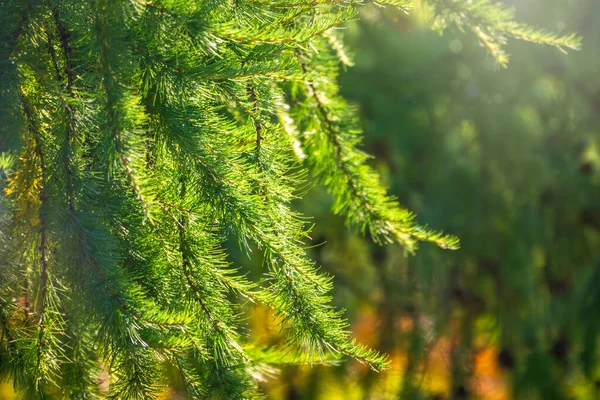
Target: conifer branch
{"points": [[22, 24], [138, 381], [218, 326], [66, 51], [53, 57], [492, 22], [258, 125], [68, 111], [48, 320], [41, 215], [310, 329], [342, 168], [13, 365], [115, 114], [172, 106], [41, 306]]}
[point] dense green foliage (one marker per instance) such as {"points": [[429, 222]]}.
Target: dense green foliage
{"points": [[136, 138]]}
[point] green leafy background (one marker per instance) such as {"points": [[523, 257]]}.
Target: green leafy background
{"points": [[506, 159]]}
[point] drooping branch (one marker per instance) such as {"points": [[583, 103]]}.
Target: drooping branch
{"points": [[116, 115], [336, 159]]}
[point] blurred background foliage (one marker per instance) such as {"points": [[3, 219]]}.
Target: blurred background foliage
{"points": [[508, 160]]}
